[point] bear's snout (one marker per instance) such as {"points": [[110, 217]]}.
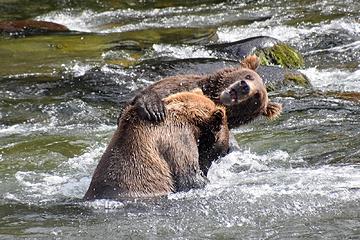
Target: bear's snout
{"points": [[244, 87], [226, 97], [235, 93]]}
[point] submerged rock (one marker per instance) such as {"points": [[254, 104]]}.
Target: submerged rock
{"points": [[170, 35], [349, 96], [30, 27], [130, 47]]}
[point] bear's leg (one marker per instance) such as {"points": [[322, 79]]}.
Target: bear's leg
{"points": [[182, 157]]}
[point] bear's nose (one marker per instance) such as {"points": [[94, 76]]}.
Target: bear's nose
{"points": [[245, 89]]}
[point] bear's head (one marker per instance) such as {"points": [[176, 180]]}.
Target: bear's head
{"points": [[247, 90], [202, 112]]}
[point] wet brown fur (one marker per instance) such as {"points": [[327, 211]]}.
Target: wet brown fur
{"points": [[212, 85], [147, 159]]}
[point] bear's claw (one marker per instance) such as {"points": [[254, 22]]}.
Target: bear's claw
{"points": [[150, 107]]}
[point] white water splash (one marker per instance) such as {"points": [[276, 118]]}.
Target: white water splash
{"points": [[334, 80], [111, 21], [292, 34], [232, 169], [27, 129], [76, 21], [258, 182], [104, 205], [281, 32], [70, 181], [77, 68], [85, 163], [181, 52]]}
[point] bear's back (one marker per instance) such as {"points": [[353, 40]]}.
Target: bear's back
{"points": [[147, 159]]}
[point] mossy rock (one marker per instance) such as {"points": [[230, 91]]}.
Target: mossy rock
{"points": [[271, 51], [280, 54]]}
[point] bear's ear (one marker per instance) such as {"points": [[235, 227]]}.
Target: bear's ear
{"points": [[273, 110], [252, 62], [197, 91]]}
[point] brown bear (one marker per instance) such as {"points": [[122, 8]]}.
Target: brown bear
{"points": [[242, 110], [147, 159]]}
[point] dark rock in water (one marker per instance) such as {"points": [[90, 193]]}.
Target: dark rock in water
{"points": [[110, 84], [115, 85], [271, 51], [274, 77], [30, 27], [244, 47], [162, 67]]}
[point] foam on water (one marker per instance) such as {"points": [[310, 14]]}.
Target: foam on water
{"points": [[76, 21], [104, 205], [317, 119], [292, 34], [27, 129], [334, 80], [76, 68], [281, 32], [73, 112], [230, 170], [72, 178], [57, 117], [90, 21], [69, 180], [181, 52], [340, 49], [253, 176], [242, 173]]}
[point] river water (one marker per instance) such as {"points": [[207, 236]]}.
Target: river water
{"points": [[297, 177]]}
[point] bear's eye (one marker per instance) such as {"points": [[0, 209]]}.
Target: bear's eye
{"points": [[248, 77]]}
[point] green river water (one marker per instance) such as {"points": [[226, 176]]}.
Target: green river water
{"points": [[297, 177]]}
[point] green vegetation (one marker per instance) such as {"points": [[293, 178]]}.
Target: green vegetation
{"points": [[281, 54]]}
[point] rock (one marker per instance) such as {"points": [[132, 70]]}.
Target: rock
{"points": [[274, 77], [271, 51], [277, 77], [30, 27], [280, 54], [165, 67]]}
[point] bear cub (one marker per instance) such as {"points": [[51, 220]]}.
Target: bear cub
{"points": [[146, 159]]}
